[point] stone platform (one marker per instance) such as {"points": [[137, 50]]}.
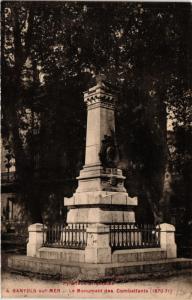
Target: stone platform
{"points": [[118, 256], [132, 270]]}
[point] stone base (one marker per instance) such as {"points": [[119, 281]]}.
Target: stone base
{"points": [[99, 215], [100, 198], [118, 256], [100, 207], [138, 255], [97, 178], [82, 271], [67, 255]]}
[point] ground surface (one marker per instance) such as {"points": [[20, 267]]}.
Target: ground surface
{"points": [[177, 287], [18, 286]]}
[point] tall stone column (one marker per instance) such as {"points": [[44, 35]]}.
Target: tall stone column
{"points": [[101, 196]]}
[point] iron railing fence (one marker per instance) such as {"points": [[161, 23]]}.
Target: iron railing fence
{"points": [[73, 236], [134, 236], [122, 236]]}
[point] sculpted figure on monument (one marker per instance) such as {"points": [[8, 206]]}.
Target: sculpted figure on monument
{"points": [[108, 152]]}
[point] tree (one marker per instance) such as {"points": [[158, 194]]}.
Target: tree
{"points": [[142, 48], [17, 28]]}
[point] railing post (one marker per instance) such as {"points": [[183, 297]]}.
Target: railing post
{"points": [[98, 249], [36, 238], [167, 240]]}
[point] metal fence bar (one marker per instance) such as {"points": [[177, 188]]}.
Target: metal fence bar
{"points": [[122, 235], [65, 236], [133, 236]]}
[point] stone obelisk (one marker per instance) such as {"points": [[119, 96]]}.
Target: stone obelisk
{"points": [[101, 196]]}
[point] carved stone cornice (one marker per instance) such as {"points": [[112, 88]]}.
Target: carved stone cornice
{"points": [[100, 94]]}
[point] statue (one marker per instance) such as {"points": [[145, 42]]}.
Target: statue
{"points": [[108, 152]]}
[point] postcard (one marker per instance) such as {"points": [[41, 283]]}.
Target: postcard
{"points": [[96, 150]]}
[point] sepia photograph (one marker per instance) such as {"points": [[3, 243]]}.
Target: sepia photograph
{"points": [[96, 149]]}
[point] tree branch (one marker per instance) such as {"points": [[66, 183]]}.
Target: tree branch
{"points": [[29, 31]]}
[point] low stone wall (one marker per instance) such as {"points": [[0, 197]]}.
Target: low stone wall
{"points": [[68, 255], [138, 255], [118, 256], [98, 250]]}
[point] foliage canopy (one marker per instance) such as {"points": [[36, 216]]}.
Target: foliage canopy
{"points": [[51, 52]]}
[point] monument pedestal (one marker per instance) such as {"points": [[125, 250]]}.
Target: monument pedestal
{"points": [[100, 198], [100, 207]]}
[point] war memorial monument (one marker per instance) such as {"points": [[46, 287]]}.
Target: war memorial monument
{"points": [[100, 238]]}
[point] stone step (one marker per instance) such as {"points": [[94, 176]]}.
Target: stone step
{"points": [[81, 271]]}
